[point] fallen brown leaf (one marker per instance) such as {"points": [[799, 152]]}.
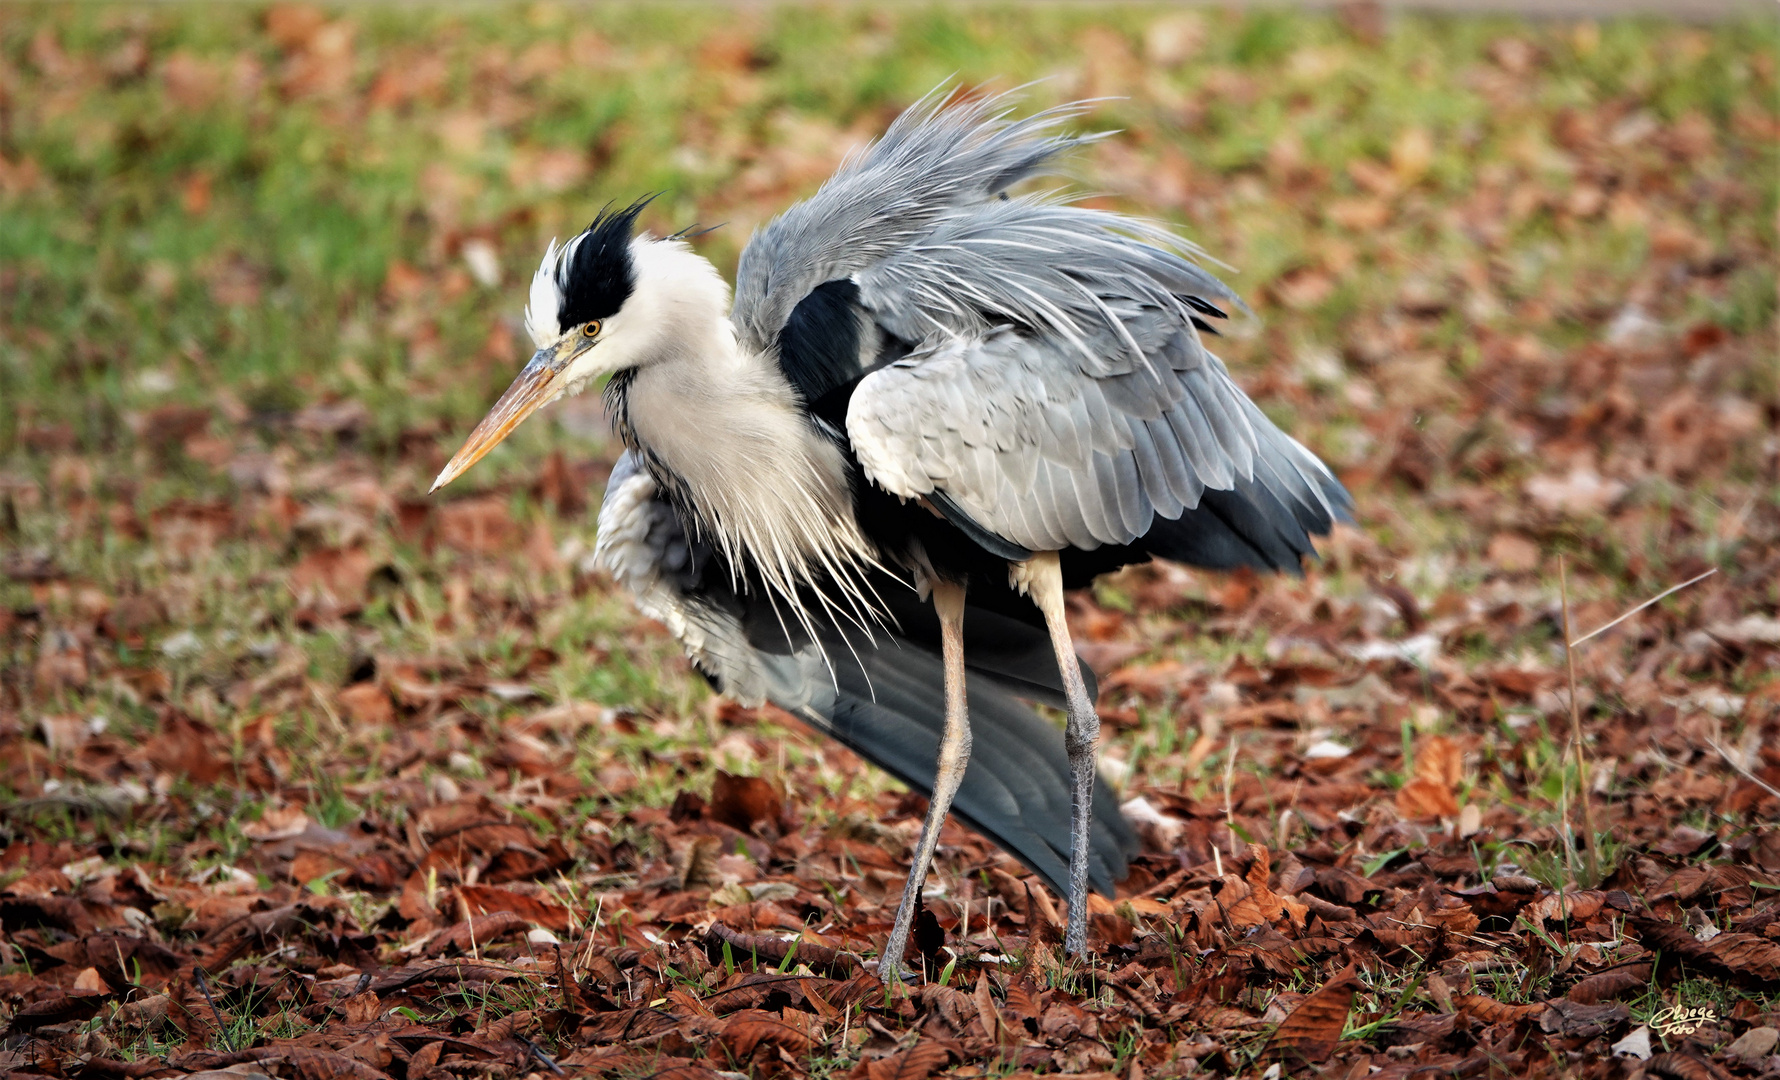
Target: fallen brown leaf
{"points": [[742, 802], [1425, 798], [1310, 1031], [918, 1062]]}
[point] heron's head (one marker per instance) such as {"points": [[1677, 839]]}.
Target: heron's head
{"points": [[604, 302]]}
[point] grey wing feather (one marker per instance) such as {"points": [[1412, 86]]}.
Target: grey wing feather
{"points": [[1068, 272], [936, 159], [1010, 428], [1049, 335]]}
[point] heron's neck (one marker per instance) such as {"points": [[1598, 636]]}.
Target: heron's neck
{"points": [[738, 450]]}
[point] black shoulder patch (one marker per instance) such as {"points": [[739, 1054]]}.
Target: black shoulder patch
{"points": [[598, 276], [819, 343]]}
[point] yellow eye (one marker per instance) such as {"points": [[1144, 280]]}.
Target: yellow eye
{"points": [[591, 329]]}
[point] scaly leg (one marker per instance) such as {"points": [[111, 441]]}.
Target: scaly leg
{"points": [[954, 757], [1042, 577]]}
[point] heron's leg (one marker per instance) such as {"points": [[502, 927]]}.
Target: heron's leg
{"points": [[1042, 577], [954, 756]]}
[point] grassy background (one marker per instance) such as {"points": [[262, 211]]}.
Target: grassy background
{"points": [[187, 197], [266, 265]]}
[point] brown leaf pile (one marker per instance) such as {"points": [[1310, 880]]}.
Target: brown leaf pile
{"points": [[306, 775]]}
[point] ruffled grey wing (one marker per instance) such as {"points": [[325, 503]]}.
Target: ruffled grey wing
{"points": [[1034, 368], [1060, 394]]}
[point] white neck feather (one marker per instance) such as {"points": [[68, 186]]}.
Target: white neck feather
{"points": [[765, 483]]}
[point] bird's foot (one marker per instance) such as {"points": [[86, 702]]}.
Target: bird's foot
{"points": [[891, 962], [890, 972]]}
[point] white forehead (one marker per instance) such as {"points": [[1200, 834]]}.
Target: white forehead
{"points": [[544, 303]]}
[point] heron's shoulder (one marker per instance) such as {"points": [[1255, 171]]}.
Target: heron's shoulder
{"points": [[819, 343], [831, 342]]}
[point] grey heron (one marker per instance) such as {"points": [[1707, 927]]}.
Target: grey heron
{"points": [[926, 385]]}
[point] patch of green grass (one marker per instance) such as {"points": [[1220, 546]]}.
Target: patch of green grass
{"points": [[1385, 996], [1514, 984], [141, 1043]]}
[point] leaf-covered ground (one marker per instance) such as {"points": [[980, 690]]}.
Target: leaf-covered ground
{"points": [[307, 775]]}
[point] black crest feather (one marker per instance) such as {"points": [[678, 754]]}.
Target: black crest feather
{"points": [[598, 277]]}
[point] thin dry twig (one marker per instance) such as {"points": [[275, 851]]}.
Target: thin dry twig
{"points": [[1666, 592], [584, 957], [204, 988], [538, 1055], [327, 709], [470, 924], [1588, 810], [1742, 770], [1570, 644], [1229, 783]]}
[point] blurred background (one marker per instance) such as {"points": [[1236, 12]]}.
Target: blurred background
{"points": [[261, 268]]}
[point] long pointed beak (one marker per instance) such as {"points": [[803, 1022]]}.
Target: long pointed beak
{"points": [[538, 385]]}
